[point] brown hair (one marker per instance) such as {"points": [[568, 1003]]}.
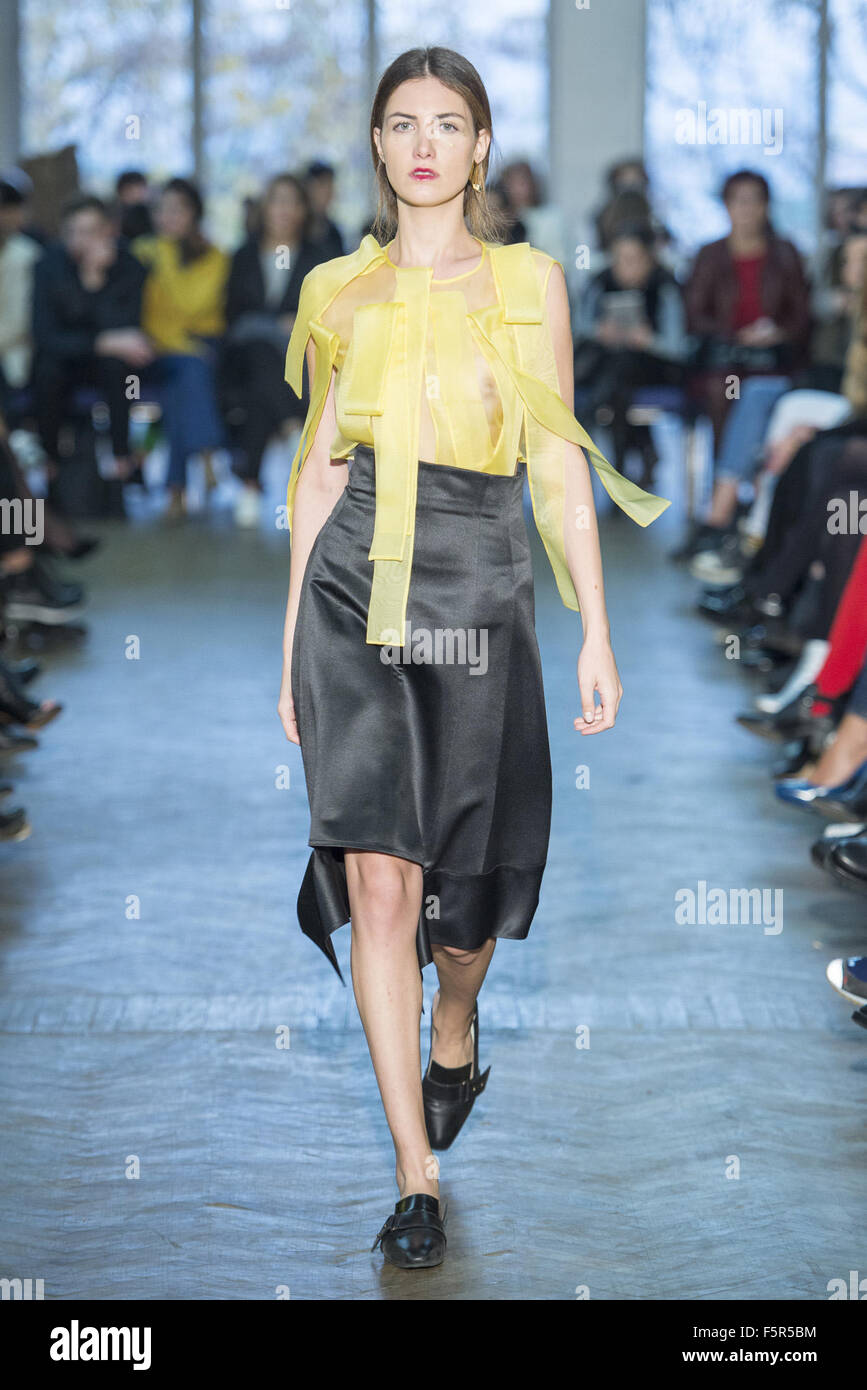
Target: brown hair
{"points": [[457, 73]]}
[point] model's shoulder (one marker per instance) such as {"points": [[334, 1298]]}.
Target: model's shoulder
{"points": [[522, 258]]}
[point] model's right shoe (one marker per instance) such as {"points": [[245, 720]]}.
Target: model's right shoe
{"points": [[413, 1236], [447, 1104]]}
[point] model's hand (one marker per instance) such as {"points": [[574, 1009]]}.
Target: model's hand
{"points": [[597, 670], [286, 711]]}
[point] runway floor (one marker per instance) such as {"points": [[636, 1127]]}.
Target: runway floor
{"points": [[705, 1140]]}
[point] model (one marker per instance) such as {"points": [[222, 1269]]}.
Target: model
{"points": [[438, 359]]}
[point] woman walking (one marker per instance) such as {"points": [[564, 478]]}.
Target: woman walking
{"points": [[438, 359]]}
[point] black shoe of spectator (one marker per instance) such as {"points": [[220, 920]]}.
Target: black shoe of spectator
{"points": [[771, 635], [734, 603], [795, 720], [848, 862], [834, 834], [85, 545], [25, 671], [11, 742], [51, 583], [14, 825], [27, 602], [699, 536]]}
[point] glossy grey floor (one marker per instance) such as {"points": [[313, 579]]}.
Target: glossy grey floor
{"points": [[674, 1111]]}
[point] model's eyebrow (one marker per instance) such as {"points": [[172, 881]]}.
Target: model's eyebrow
{"points": [[441, 115]]}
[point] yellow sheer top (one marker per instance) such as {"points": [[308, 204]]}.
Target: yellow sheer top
{"points": [[458, 371]]}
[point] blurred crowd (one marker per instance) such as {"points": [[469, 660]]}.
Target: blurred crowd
{"points": [[739, 335]]}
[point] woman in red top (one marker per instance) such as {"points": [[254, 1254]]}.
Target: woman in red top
{"points": [[747, 300]]}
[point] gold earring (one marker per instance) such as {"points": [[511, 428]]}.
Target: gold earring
{"points": [[476, 186]]}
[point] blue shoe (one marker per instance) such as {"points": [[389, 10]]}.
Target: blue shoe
{"points": [[849, 978], [845, 801]]}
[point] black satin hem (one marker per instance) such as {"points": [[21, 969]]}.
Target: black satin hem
{"points": [[500, 903]]}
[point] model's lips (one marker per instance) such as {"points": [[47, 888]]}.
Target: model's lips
{"points": [[423, 174]]}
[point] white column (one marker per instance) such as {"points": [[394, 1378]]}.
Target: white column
{"points": [[596, 100]]}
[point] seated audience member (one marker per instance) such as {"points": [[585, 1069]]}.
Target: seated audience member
{"points": [[544, 221], [770, 411], [747, 301], [132, 206], [261, 302], [87, 305], [496, 195], [631, 334], [18, 256], [183, 312], [629, 201], [322, 232]]}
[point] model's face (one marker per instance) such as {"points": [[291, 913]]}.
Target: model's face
{"points": [[174, 216], [747, 208], [428, 142], [284, 213]]}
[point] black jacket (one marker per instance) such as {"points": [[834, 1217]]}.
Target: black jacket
{"points": [[67, 317], [245, 290]]}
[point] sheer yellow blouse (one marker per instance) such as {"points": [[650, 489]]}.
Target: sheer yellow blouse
{"points": [[458, 371]]}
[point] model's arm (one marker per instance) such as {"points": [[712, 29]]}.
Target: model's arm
{"points": [[320, 484], [596, 666]]}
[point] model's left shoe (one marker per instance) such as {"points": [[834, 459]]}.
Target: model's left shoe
{"points": [[447, 1104], [413, 1236]]}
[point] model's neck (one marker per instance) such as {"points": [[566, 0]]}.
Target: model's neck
{"points": [[435, 237]]}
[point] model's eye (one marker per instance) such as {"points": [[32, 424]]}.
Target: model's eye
{"points": [[399, 124], [449, 125]]}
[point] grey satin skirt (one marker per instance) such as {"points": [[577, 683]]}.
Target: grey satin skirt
{"points": [[436, 751]]}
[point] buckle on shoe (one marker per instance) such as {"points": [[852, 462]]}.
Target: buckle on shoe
{"points": [[386, 1227]]}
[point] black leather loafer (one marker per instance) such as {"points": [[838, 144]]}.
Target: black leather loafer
{"points": [[413, 1236], [448, 1103]]}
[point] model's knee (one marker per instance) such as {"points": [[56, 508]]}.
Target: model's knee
{"points": [[383, 887]]}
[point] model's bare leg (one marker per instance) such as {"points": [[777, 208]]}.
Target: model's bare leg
{"points": [[460, 974], [385, 903]]}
